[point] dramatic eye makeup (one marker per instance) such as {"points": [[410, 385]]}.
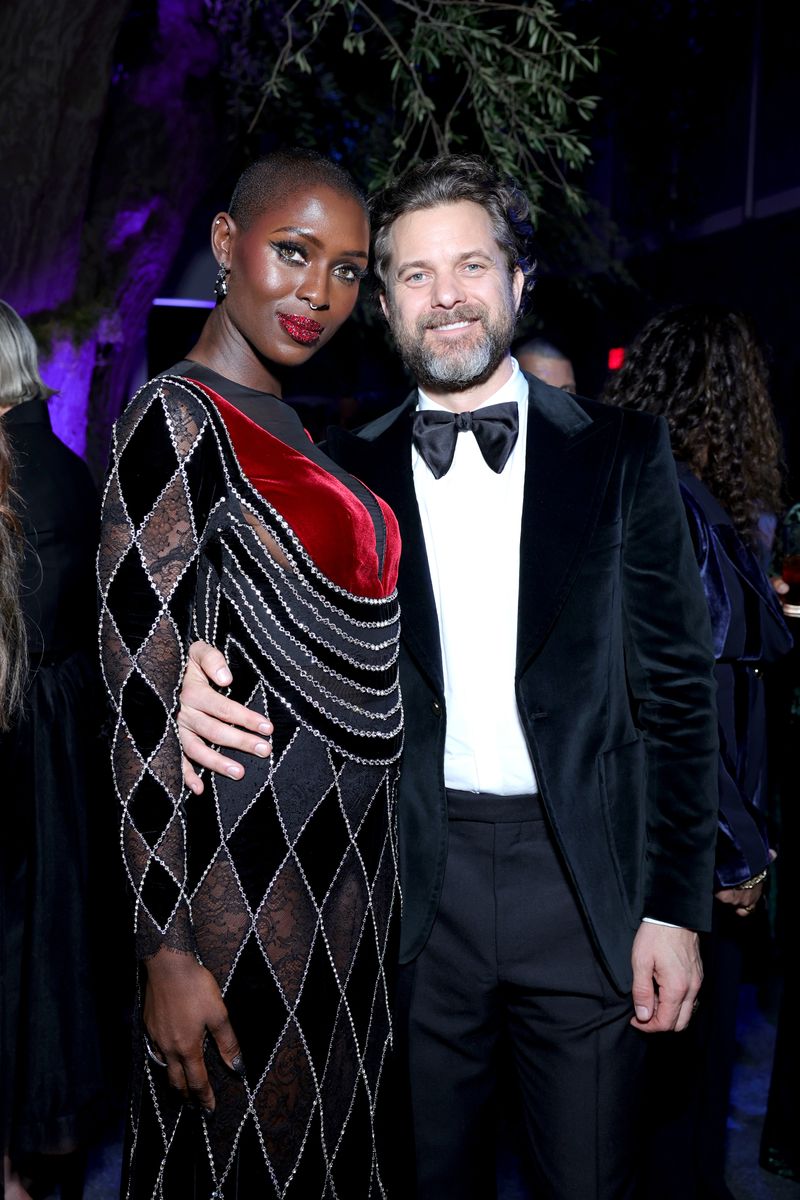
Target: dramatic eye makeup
{"points": [[293, 252], [350, 272], [290, 252]]}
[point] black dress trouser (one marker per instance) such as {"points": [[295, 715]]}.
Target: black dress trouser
{"points": [[509, 962]]}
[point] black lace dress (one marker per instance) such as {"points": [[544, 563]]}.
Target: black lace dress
{"points": [[284, 883]]}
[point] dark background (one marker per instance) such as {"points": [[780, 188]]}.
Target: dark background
{"points": [[694, 195], [121, 136]]}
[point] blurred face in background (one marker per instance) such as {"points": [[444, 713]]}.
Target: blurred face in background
{"points": [[557, 372]]}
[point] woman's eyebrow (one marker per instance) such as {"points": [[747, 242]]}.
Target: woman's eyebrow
{"points": [[309, 237]]}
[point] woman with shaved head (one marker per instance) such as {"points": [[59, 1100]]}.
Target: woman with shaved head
{"points": [[264, 903]]}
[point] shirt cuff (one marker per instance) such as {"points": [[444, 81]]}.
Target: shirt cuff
{"points": [[654, 921]]}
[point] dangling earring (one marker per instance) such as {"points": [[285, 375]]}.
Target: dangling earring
{"points": [[221, 282]]}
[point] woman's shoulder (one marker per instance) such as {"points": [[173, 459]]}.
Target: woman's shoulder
{"points": [[165, 405]]}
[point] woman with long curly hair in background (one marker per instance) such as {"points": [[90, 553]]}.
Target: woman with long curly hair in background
{"points": [[702, 368]]}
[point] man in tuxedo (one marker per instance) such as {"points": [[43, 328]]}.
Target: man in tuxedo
{"points": [[557, 806]]}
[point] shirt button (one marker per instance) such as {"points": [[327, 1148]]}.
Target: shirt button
{"points": [[436, 708]]}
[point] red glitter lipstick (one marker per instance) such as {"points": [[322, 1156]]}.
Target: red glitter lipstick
{"points": [[301, 329]]}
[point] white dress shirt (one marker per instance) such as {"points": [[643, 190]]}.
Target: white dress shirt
{"points": [[471, 519]]}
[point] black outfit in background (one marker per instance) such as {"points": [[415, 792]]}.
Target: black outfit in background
{"points": [[780, 1144], [748, 632], [690, 1073], [50, 1061]]}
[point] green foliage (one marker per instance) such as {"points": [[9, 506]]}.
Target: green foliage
{"points": [[386, 83]]}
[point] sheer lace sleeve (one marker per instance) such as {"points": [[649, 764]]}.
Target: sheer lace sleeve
{"points": [[158, 498]]}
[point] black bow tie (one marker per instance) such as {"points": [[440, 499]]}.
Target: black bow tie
{"points": [[495, 428]]}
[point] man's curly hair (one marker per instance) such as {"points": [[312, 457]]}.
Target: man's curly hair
{"points": [[702, 367]]}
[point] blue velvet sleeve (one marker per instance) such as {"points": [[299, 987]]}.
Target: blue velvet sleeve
{"points": [[748, 631]]}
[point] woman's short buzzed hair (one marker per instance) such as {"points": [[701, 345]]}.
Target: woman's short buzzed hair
{"points": [[447, 180], [278, 174]]}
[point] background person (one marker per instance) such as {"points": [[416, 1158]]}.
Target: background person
{"points": [[701, 367], [13, 667], [779, 1150], [264, 911], [54, 1082], [13, 664], [541, 358], [12, 674]]}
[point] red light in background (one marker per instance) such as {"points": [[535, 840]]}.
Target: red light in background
{"points": [[616, 357]]}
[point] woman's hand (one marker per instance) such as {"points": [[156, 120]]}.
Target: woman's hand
{"points": [[182, 1003], [781, 587], [207, 718], [744, 900]]}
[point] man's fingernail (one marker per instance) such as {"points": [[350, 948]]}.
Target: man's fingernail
{"points": [[265, 728], [237, 1064], [642, 1013], [223, 675], [263, 748], [234, 771]]}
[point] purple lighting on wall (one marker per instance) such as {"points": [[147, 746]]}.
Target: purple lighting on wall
{"points": [[50, 286], [69, 369], [175, 302], [130, 223]]}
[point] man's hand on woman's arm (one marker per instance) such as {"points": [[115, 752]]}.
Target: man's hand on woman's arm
{"points": [[208, 718]]}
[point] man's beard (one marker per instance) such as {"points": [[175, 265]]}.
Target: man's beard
{"points": [[463, 362]]}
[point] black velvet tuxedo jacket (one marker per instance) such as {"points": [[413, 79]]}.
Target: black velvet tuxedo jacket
{"points": [[614, 679]]}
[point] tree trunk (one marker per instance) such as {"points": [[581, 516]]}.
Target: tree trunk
{"points": [[113, 146], [55, 65]]}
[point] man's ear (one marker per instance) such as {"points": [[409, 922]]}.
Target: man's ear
{"points": [[384, 305], [517, 286]]}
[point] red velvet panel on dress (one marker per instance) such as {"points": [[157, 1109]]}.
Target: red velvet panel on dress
{"points": [[333, 526]]}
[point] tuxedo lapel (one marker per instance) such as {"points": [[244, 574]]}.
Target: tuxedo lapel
{"points": [[568, 462], [381, 458], [569, 456]]}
